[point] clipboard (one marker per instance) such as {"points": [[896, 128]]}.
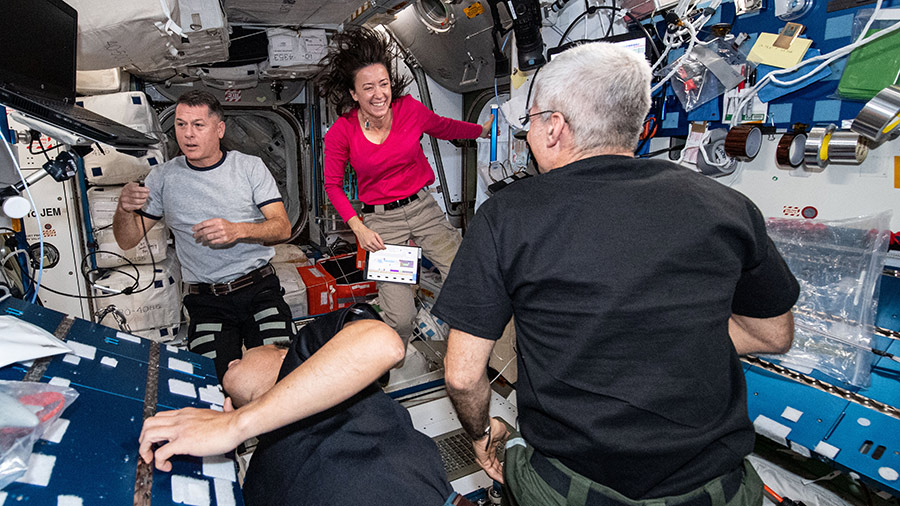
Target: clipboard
{"points": [[394, 264]]}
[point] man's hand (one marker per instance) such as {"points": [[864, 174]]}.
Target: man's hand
{"points": [[133, 197], [189, 431], [217, 231], [486, 450]]}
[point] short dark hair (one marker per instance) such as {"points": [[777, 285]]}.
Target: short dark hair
{"points": [[351, 50], [196, 98]]}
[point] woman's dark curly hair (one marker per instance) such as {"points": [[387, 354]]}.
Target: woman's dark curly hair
{"points": [[350, 51]]}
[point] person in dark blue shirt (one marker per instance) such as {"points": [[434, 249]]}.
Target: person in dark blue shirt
{"points": [[327, 433]]}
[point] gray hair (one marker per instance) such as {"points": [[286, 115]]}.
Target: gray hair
{"points": [[602, 90]]}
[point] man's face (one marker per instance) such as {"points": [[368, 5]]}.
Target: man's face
{"points": [[254, 374], [198, 132]]}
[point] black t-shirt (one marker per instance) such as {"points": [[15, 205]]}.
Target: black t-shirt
{"points": [[622, 274], [362, 451]]}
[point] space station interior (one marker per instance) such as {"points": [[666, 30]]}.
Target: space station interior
{"points": [[793, 103]]}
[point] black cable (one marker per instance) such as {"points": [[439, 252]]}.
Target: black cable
{"points": [[152, 260], [590, 10], [87, 273], [40, 145], [103, 270], [530, 87], [612, 18], [45, 287], [661, 151], [647, 35]]}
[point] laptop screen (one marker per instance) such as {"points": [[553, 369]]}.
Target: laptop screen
{"points": [[38, 41]]}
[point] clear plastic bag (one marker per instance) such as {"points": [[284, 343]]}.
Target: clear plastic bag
{"points": [[18, 431], [838, 265], [711, 69]]}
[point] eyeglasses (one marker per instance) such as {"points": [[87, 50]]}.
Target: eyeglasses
{"points": [[523, 120]]}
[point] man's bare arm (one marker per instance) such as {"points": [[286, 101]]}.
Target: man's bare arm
{"points": [[465, 375], [762, 335], [354, 358], [127, 227], [219, 231]]}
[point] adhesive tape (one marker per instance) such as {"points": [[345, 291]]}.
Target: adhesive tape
{"points": [[879, 119], [743, 142], [789, 152]]}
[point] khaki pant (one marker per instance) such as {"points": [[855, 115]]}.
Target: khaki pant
{"points": [[422, 221]]}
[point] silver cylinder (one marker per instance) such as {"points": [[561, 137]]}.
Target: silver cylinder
{"points": [[878, 118], [847, 148], [815, 151]]}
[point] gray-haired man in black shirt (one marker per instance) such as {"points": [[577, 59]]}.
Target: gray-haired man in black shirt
{"points": [[635, 285]]}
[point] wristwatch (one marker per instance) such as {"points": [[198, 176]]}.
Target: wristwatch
{"points": [[487, 433]]}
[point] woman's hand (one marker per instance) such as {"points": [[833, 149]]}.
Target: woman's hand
{"points": [[486, 127], [367, 238]]}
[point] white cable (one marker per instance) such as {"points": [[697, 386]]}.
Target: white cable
{"points": [[10, 255], [829, 58], [661, 58], [37, 217], [865, 30], [678, 62], [511, 360], [705, 155], [834, 55]]}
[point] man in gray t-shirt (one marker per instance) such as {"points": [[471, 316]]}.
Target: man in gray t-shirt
{"points": [[222, 207]]}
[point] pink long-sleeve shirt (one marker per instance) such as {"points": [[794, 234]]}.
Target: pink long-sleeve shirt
{"points": [[394, 169]]}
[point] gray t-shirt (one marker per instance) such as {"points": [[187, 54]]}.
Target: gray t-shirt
{"points": [[235, 189]]}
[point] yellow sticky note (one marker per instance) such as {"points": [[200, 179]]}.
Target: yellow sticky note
{"points": [[765, 52]]}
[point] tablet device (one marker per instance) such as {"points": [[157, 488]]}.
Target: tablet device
{"points": [[395, 264]]}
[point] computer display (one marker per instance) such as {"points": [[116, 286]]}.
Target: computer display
{"points": [[636, 41], [38, 38], [395, 264]]}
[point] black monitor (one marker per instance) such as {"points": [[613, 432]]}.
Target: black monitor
{"points": [[634, 40], [38, 47]]}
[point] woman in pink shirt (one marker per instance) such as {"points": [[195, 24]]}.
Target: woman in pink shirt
{"points": [[379, 133]]}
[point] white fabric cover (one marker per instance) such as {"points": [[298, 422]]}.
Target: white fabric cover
{"points": [[206, 29], [294, 54], [109, 166], [230, 78], [154, 313], [130, 108], [114, 34], [106, 242], [270, 12], [294, 288], [93, 82], [149, 35], [105, 165], [102, 201], [289, 253]]}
